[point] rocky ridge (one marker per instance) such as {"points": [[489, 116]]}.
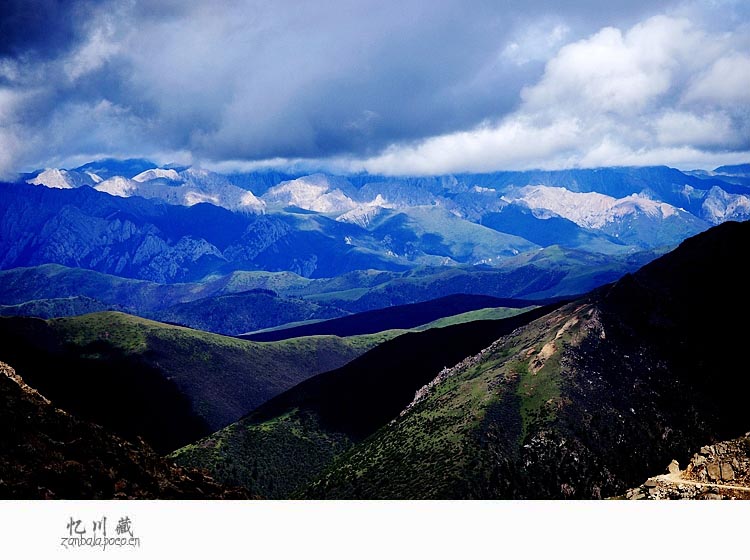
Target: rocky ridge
{"points": [[48, 453], [717, 472]]}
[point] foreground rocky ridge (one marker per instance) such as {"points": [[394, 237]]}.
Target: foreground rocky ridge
{"points": [[48, 453], [717, 472]]}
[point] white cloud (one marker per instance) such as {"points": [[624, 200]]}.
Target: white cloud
{"points": [[612, 71], [636, 97], [726, 82], [11, 149], [683, 128], [536, 42], [92, 55], [484, 149]]}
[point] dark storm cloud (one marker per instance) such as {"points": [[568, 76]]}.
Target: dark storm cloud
{"points": [[42, 28], [249, 80]]}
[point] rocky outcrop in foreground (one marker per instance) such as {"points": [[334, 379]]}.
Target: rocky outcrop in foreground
{"points": [[47, 453], [717, 472]]}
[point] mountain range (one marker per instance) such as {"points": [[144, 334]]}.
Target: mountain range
{"points": [[537, 334], [327, 245]]}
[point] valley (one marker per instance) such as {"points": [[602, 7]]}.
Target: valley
{"points": [[371, 337]]}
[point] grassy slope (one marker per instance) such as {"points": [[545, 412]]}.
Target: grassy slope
{"points": [[49, 453], [485, 314], [288, 440], [430, 450], [225, 376], [547, 273], [233, 314], [465, 241], [55, 307], [220, 377], [272, 457], [536, 274]]}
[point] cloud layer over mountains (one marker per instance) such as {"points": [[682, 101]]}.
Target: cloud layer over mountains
{"points": [[398, 88]]}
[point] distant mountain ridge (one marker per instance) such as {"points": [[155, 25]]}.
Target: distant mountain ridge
{"points": [[393, 317], [359, 197], [49, 290], [528, 235], [138, 238]]}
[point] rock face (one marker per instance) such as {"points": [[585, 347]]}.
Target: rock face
{"points": [[47, 453], [725, 463], [716, 472], [712, 472], [318, 193], [720, 206]]}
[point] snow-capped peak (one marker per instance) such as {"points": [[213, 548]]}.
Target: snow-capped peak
{"points": [[318, 193], [591, 210], [63, 179], [364, 214], [118, 186], [720, 206], [94, 177], [151, 174]]}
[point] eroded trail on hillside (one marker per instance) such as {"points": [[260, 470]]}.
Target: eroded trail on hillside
{"points": [[676, 478]]}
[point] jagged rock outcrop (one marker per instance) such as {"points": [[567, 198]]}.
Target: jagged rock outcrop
{"points": [[717, 472]]}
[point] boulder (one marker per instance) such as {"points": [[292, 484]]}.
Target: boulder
{"points": [[674, 467], [727, 472]]}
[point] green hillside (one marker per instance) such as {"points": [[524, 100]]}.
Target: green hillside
{"points": [[234, 314], [287, 441], [434, 448], [211, 379]]}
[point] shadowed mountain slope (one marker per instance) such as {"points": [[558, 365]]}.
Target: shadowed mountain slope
{"points": [[168, 384], [584, 402], [48, 453]]}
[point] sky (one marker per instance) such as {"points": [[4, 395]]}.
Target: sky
{"points": [[390, 87]]}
